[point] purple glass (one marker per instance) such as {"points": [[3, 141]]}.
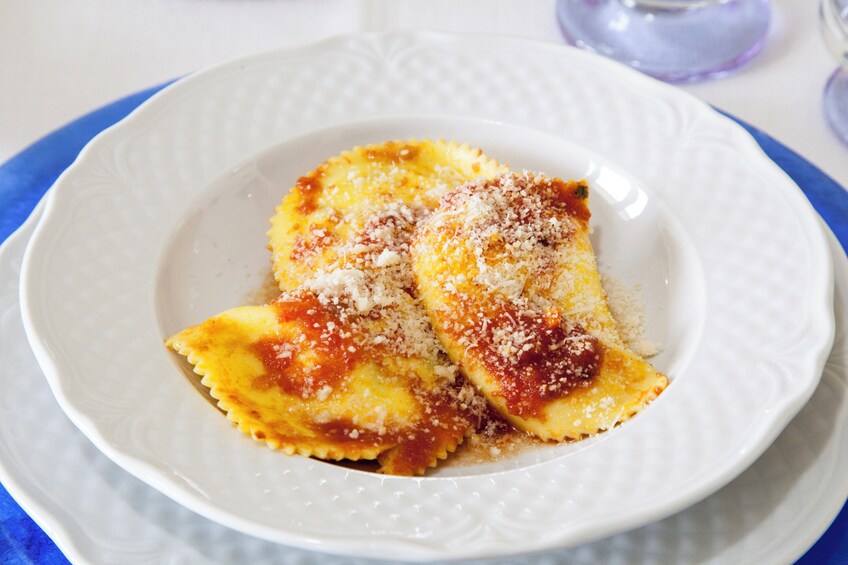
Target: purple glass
{"points": [[834, 23], [673, 40]]}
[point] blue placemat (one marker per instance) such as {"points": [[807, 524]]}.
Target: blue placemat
{"points": [[26, 177]]}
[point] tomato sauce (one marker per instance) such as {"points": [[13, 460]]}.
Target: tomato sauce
{"points": [[542, 359], [331, 356], [309, 188]]}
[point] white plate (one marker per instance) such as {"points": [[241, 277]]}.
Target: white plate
{"points": [[746, 331], [770, 514]]}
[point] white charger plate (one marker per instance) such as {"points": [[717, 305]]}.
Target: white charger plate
{"points": [[95, 304], [98, 513]]}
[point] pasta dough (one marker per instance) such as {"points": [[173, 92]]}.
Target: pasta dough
{"points": [[292, 374], [507, 274], [329, 204]]}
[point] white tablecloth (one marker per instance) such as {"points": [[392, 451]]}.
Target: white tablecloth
{"points": [[60, 59]]}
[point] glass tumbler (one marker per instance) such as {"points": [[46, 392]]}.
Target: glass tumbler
{"points": [[673, 40], [834, 25]]}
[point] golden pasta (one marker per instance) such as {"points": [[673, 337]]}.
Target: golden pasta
{"points": [[506, 271], [327, 205]]}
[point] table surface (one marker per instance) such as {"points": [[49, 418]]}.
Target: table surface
{"points": [[59, 60]]}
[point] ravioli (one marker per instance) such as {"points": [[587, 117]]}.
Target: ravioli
{"points": [[297, 375], [328, 205], [507, 274]]}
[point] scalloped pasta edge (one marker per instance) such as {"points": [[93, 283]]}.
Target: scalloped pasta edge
{"points": [[289, 448]]}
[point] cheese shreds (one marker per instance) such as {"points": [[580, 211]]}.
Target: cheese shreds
{"points": [[371, 285], [629, 314]]}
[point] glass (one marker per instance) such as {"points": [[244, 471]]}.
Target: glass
{"points": [[673, 40], [834, 24]]}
